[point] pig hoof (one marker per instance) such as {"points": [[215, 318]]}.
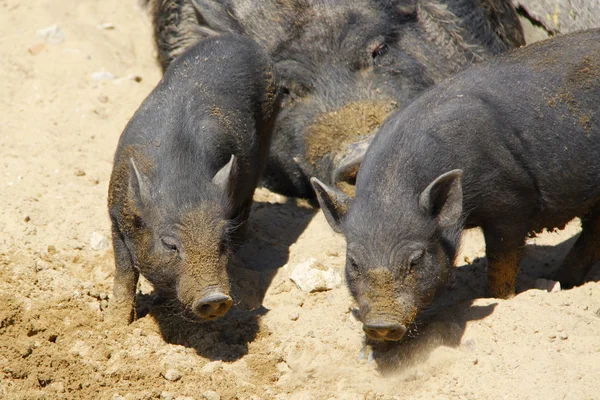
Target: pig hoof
{"points": [[391, 332], [212, 306], [120, 317], [500, 293]]}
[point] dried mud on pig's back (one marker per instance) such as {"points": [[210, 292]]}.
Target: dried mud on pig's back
{"points": [[583, 77]]}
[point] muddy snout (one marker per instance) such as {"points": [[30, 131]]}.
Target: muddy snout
{"points": [[212, 306], [384, 331]]}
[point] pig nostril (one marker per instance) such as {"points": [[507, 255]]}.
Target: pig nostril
{"points": [[223, 308], [205, 309]]}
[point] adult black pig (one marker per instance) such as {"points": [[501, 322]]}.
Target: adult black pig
{"points": [[511, 145], [185, 170], [344, 65]]}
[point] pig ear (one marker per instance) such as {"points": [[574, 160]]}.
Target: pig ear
{"points": [[216, 17], [139, 188], [442, 199], [333, 202], [225, 177]]}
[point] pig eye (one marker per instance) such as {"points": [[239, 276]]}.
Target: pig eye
{"points": [[138, 222], [379, 50], [169, 244]]}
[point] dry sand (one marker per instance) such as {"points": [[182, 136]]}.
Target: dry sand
{"points": [[58, 132]]}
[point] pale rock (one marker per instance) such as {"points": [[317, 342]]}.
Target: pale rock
{"points": [[166, 396], [211, 395], [294, 316], [81, 349], [106, 25], [102, 76], [98, 241], [309, 277], [172, 375], [52, 34]]}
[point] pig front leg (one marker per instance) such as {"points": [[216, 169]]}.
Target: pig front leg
{"points": [[503, 249], [122, 307]]}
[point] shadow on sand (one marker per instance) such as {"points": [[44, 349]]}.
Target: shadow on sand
{"points": [[274, 227], [444, 323]]}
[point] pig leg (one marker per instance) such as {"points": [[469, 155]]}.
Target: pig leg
{"points": [[503, 249], [125, 284], [583, 254]]}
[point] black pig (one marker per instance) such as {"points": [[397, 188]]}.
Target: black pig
{"points": [[344, 65], [185, 170], [511, 145]]}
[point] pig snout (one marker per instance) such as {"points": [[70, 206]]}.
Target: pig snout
{"points": [[212, 306], [387, 317], [384, 331]]}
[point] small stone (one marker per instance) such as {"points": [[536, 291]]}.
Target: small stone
{"points": [[57, 387], [52, 34], [98, 241], [27, 218], [102, 76], [172, 375], [294, 316], [79, 172], [211, 395], [103, 305], [310, 277], [166, 396], [106, 26], [41, 265], [547, 285], [36, 49], [563, 336]]}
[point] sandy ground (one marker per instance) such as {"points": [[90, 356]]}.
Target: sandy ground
{"points": [[58, 132]]}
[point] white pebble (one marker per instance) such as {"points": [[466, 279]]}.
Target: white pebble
{"points": [[172, 375], [98, 241], [166, 396], [309, 278], [102, 76], [106, 25], [294, 316], [211, 395], [52, 34]]}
